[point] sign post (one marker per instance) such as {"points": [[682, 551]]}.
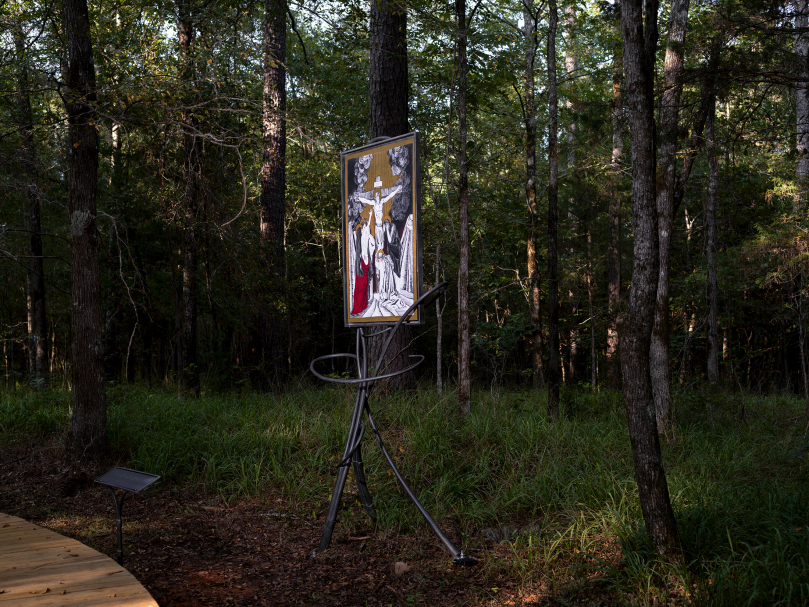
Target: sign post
{"points": [[128, 481]]}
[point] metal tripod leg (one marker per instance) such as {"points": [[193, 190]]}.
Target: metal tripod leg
{"points": [[334, 505], [459, 557], [362, 486], [331, 516]]}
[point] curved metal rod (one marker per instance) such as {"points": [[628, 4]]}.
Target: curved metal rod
{"points": [[327, 357], [365, 380], [436, 290], [433, 525], [359, 339]]}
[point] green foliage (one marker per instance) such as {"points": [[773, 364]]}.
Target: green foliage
{"points": [[738, 492]]}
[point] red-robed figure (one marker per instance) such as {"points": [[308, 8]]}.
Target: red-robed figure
{"points": [[366, 244]]}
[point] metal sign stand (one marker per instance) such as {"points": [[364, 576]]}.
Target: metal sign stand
{"points": [[352, 454], [129, 481]]}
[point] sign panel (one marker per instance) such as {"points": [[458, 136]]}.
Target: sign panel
{"points": [[381, 231]]}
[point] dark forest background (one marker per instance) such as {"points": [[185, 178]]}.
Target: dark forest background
{"points": [[151, 92]]}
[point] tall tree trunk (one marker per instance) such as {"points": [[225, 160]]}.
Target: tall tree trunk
{"points": [[696, 139], [388, 95], [802, 340], [530, 117], [669, 120], [439, 318], [802, 100], [554, 370], [189, 371], [802, 145], [177, 295], [571, 65], [590, 302], [613, 253], [37, 328], [464, 337], [88, 425], [112, 353], [710, 250], [636, 325], [273, 189]]}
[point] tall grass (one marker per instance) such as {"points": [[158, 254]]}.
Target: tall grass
{"points": [[739, 493]]}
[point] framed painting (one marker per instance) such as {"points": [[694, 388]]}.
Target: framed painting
{"points": [[381, 217]]}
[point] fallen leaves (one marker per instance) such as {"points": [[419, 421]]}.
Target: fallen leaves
{"points": [[177, 554]]}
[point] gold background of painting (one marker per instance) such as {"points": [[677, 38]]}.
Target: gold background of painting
{"points": [[381, 164]]}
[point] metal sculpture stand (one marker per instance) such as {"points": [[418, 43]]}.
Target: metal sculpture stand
{"points": [[352, 454]]}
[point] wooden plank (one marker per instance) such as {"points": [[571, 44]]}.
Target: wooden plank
{"points": [[71, 571], [40, 542], [120, 597], [40, 568]]}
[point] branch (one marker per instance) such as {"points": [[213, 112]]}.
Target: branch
{"points": [[295, 29]]}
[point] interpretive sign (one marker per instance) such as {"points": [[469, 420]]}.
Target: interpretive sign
{"points": [[381, 231]]}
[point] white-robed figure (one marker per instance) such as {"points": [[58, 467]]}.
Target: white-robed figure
{"points": [[404, 281], [387, 300], [386, 283]]}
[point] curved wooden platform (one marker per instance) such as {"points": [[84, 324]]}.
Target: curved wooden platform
{"points": [[40, 568]]}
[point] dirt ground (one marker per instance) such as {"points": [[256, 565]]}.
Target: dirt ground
{"points": [[191, 550]]}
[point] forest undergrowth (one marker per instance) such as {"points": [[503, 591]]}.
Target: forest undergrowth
{"points": [[563, 494]]}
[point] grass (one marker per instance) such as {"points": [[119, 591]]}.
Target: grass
{"points": [[739, 492]]}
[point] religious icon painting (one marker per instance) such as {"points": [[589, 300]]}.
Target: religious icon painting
{"points": [[381, 231]]}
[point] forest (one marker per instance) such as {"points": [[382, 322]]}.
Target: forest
{"points": [[183, 110], [615, 190]]}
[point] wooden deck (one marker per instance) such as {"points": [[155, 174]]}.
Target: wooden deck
{"points": [[40, 568]]}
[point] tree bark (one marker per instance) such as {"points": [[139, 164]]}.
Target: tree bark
{"points": [[112, 353], [273, 189], [189, 384], [464, 337], [802, 340], [37, 327], [590, 302], [388, 83], [554, 370], [636, 325], [669, 120], [439, 321], [710, 250], [388, 96], [802, 101], [88, 425], [571, 65], [530, 119], [614, 218]]}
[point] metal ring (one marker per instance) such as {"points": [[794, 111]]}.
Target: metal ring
{"points": [[361, 380]]}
